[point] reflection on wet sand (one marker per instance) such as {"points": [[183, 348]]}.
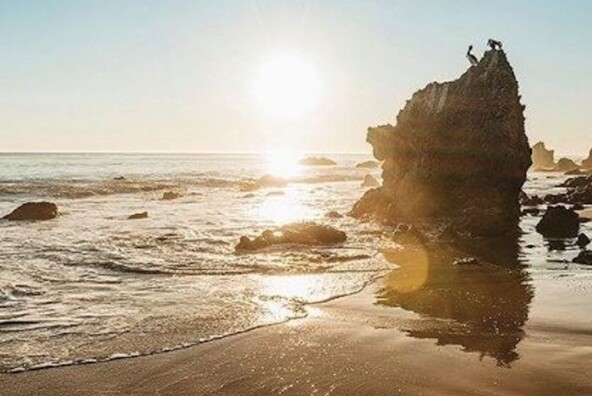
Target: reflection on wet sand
{"points": [[484, 302]]}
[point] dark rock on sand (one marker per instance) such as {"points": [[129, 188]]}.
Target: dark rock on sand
{"points": [[333, 215], [584, 257], [34, 211], [307, 233], [170, 195], [541, 157], [559, 222], [583, 240], [370, 181], [457, 152], [317, 161], [368, 164], [565, 165], [140, 215]]}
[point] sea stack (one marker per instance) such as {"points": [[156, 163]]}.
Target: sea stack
{"points": [[457, 155], [541, 157]]}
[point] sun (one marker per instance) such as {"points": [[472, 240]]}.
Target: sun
{"points": [[287, 86]]}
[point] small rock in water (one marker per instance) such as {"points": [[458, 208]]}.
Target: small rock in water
{"points": [[368, 164], [559, 222], [140, 215], [307, 233], [466, 261], [584, 257], [317, 161], [34, 211], [169, 195], [370, 181], [333, 215], [583, 240]]}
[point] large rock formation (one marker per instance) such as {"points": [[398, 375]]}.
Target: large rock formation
{"points": [[457, 153], [541, 157]]}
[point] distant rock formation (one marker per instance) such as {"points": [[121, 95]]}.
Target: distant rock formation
{"points": [[587, 163], [368, 164], [541, 157], [33, 211], [307, 233], [137, 216], [458, 153], [317, 161], [370, 181], [566, 165]]}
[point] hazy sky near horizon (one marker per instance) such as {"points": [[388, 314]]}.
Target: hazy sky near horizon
{"points": [[179, 75]]}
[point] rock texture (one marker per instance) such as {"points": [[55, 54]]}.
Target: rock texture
{"points": [[457, 152], [541, 157], [34, 211]]}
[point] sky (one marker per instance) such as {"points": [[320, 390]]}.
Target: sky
{"points": [[179, 76]]}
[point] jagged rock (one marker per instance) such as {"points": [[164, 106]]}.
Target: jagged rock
{"points": [[368, 164], [458, 151], [583, 240], [263, 182], [33, 211], [584, 257], [136, 216], [333, 215], [370, 181], [307, 233], [587, 163], [317, 161], [541, 157], [170, 195], [559, 222], [565, 165]]}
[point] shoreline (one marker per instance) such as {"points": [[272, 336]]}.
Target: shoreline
{"points": [[348, 345]]}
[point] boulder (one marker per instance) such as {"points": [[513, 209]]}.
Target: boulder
{"points": [[33, 211], [559, 222], [587, 163], [370, 181], [584, 257], [566, 165], [368, 164], [541, 157], [170, 195], [136, 216], [458, 152], [317, 161], [307, 233]]}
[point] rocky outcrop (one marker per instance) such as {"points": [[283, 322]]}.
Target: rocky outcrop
{"points": [[368, 164], [566, 165], [33, 211], [541, 157], [317, 161], [587, 163], [559, 222], [307, 233], [458, 153], [137, 216], [370, 181]]}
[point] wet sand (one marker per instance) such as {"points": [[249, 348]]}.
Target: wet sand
{"points": [[349, 346]]}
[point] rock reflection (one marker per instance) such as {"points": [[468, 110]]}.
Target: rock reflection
{"points": [[484, 302]]}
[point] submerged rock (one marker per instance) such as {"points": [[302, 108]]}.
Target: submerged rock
{"points": [[566, 165], [317, 161], [33, 211], [587, 163], [458, 151], [368, 164], [370, 181], [170, 195], [307, 233], [559, 222], [541, 157], [136, 216]]}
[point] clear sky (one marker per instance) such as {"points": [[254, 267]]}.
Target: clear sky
{"points": [[180, 75]]}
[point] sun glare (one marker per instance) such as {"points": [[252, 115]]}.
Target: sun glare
{"points": [[287, 86]]}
